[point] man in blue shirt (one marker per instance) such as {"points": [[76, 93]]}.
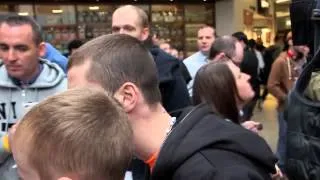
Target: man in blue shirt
{"points": [[206, 37]]}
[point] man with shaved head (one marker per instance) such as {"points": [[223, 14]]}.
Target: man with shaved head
{"points": [[173, 75]]}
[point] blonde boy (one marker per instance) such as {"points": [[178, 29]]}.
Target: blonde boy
{"points": [[80, 134]]}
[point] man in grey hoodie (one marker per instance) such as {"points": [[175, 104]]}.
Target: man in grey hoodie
{"points": [[25, 79]]}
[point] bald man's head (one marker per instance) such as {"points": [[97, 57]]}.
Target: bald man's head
{"points": [[131, 20], [226, 47]]}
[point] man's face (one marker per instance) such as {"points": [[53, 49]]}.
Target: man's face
{"points": [[126, 21], [18, 50], [205, 39], [239, 53], [165, 47]]}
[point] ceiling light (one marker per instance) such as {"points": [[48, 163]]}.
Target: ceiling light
{"points": [[23, 14], [288, 22], [281, 1], [57, 11], [93, 8], [264, 4]]}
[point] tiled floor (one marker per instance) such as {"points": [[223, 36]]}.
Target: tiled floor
{"points": [[268, 117]]}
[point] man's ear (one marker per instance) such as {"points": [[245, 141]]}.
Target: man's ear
{"points": [[128, 95], [145, 34], [219, 56], [42, 49]]}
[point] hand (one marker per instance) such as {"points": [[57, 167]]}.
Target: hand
{"points": [[278, 174], [252, 126]]}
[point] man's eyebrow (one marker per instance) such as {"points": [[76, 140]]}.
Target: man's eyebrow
{"points": [[20, 46]]}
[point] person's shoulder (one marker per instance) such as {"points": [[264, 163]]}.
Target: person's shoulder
{"points": [[195, 167], [166, 64], [191, 58], [218, 164], [281, 59], [158, 53], [52, 76]]}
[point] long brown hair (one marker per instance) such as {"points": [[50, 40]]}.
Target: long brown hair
{"points": [[215, 85]]}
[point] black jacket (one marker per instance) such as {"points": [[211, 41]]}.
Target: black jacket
{"points": [[173, 85], [204, 146], [303, 132], [249, 66], [270, 55]]}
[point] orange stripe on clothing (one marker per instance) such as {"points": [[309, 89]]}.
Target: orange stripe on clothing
{"points": [[152, 161]]}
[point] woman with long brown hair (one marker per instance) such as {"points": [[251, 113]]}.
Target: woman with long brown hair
{"points": [[224, 88]]}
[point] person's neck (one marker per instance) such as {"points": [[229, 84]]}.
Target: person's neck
{"points": [[28, 79], [33, 75], [205, 53], [150, 130]]}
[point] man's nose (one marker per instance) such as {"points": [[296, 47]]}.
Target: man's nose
{"points": [[122, 31], [11, 56]]}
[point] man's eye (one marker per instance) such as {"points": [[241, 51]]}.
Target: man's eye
{"points": [[115, 29], [128, 28], [3, 48], [22, 49]]}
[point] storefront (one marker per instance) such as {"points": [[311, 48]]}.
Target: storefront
{"points": [[62, 22]]}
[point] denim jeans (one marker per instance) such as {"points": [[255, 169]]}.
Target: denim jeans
{"points": [[282, 141]]}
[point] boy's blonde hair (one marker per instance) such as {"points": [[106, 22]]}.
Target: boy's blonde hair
{"points": [[82, 132]]}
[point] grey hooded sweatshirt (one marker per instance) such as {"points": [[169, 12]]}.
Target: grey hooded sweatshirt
{"points": [[15, 101]]}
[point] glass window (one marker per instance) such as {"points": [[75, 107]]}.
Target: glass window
{"points": [[145, 8], [94, 20], [58, 23], [24, 10], [167, 22], [283, 16], [195, 17], [55, 15], [4, 10]]}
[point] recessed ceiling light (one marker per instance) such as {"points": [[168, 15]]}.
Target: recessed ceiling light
{"points": [[93, 8], [57, 11], [23, 14]]}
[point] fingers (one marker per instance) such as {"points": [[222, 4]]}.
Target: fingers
{"points": [[252, 126]]}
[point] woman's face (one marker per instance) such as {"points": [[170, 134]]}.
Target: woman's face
{"points": [[242, 82], [289, 39]]}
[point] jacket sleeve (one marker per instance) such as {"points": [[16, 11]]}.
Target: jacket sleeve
{"points": [[185, 72], [234, 173], [274, 81], [230, 173], [223, 165]]}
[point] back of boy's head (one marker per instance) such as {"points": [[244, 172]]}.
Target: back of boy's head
{"points": [[82, 132]]}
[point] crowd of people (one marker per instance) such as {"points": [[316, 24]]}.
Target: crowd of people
{"points": [[121, 106]]}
